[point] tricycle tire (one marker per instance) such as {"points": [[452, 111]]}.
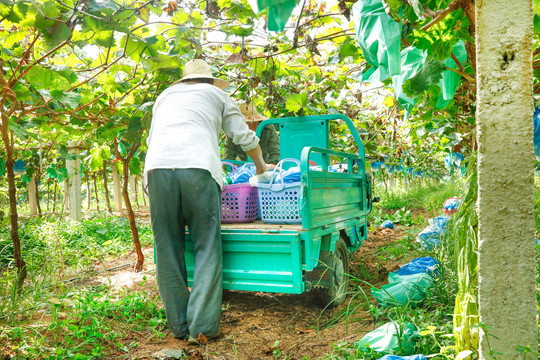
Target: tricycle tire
{"points": [[336, 292]]}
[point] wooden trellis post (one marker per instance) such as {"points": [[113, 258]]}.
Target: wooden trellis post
{"points": [[32, 198], [74, 183]]}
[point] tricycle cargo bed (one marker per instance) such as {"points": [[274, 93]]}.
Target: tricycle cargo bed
{"points": [[259, 225], [333, 207]]}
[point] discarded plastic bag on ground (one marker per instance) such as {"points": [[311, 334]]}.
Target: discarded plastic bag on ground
{"points": [[395, 357], [429, 238], [419, 280], [387, 224], [417, 266], [386, 338], [439, 223], [403, 290]]}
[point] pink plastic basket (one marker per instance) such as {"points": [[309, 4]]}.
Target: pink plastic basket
{"points": [[238, 203]]}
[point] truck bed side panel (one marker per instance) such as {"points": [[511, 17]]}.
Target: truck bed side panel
{"points": [[258, 261]]}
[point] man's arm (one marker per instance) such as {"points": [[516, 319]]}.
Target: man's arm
{"points": [[256, 155]]}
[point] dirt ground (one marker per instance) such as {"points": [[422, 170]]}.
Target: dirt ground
{"points": [[259, 325]]}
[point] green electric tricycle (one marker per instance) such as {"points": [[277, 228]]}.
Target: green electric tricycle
{"points": [[313, 254]]}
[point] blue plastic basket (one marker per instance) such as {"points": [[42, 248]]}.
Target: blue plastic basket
{"points": [[279, 202]]}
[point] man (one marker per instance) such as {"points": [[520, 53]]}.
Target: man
{"points": [[184, 186], [269, 141]]}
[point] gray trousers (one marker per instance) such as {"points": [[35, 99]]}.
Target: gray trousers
{"points": [[192, 198]]}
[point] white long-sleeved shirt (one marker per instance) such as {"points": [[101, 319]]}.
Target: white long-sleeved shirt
{"points": [[186, 122]]}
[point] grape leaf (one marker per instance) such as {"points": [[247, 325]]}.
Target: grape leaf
{"points": [[72, 100], [42, 77], [296, 101], [430, 73]]}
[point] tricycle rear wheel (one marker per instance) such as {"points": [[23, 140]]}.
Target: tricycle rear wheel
{"points": [[336, 292]]}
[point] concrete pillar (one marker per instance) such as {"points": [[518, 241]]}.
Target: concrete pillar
{"points": [[117, 190], [507, 293], [67, 205], [32, 199], [74, 183], [406, 181]]}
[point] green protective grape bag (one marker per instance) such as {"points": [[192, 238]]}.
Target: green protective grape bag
{"points": [[450, 80], [403, 290], [279, 12], [379, 37], [51, 172], [391, 338], [62, 174]]}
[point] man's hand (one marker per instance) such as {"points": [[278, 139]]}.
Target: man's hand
{"points": [[267, 167], [256, 156]]}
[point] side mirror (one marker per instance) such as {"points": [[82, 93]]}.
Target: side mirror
{"points": [[376, 199]]}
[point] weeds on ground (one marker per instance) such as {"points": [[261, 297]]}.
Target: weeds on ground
{"points": [[433, 318], [46, 240], [433, 321], [405, 246], [85, 324], [49, 317], [537, 202], [434, 336], [429, 195], [401, 217], [397, 204]]}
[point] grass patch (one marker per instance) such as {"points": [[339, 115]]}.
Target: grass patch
{"points": [[404, 246], [433, 318], [51, 240], [54, 319], [87, 324], [429, 195]]}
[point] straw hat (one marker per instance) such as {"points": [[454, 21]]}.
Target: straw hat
{"points": [[199, 69], [250, 112]]}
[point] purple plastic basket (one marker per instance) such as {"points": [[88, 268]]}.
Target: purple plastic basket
{"points": [[238, 203]]}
